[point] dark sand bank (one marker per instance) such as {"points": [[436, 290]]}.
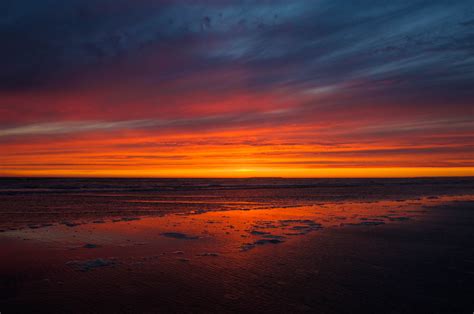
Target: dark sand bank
{"points": [[390, 255]]}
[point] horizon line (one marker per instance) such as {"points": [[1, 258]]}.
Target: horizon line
{"points": [[240, 178]]}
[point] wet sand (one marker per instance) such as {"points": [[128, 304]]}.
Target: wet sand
{"points": [[384, 256]]}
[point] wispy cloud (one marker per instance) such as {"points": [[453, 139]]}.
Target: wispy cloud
{"points": [[242, 78]]}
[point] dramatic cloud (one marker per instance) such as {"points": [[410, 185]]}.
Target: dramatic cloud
{"points": [[275, 87]]}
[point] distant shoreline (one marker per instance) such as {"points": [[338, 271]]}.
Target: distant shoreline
{"points": [[233, 178]]}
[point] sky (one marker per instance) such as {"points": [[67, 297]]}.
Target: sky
{"points": [[220, 88]]}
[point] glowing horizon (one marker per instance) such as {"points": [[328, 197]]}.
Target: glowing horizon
{"points": [[268, 173], [300, 89]]}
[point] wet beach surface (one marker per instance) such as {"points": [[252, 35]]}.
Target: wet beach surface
{"points": [[259, 249]]}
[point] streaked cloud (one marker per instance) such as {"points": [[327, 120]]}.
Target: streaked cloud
{"points": [[260, 84]]}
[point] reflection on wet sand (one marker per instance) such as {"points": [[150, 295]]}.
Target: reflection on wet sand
{"points": [[230, 225], [195, 234], [226, 247]]}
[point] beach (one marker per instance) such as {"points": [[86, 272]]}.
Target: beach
{"points": [[237, 245]]}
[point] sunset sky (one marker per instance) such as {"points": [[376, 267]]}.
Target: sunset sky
{"points": [[220, 88]]}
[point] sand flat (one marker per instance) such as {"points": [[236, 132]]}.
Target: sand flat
{"points": [[406, 255]]}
